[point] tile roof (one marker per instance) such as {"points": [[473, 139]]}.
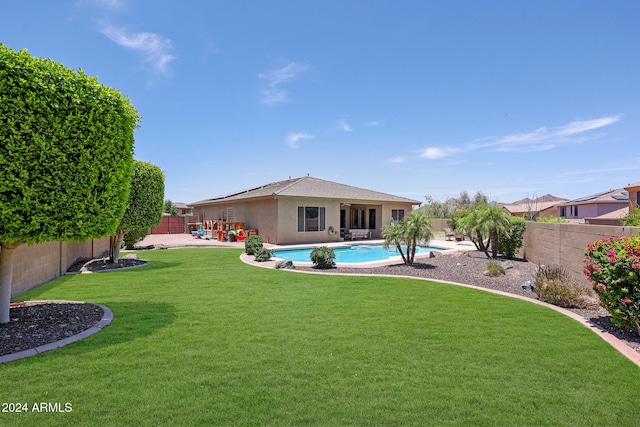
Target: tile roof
{"points": [[308, 186], [533, 206]]}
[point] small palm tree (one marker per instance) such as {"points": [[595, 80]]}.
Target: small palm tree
{"points": [[393, 235], [493, 221], [416, 228], [470, 223]]}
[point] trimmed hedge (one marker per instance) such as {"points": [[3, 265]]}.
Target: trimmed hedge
{"points": [[66, 153]]}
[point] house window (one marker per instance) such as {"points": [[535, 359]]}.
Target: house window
{"points": [[397, 214], [372, 219], [311, 218], [563, 211], [230, 214]]}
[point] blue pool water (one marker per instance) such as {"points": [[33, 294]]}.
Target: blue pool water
{"points": [[352, 254]]}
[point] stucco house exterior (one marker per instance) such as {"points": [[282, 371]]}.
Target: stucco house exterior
{"points": [[634, 195], [594, 205], [306, 210]]}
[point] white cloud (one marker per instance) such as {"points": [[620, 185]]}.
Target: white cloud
{"points": [[540, 139], [343, 125], [433, 153], [371, 123], [545, 138], [155, 48], [584, 126], [274, 78], [399, 159], [293, 138]]}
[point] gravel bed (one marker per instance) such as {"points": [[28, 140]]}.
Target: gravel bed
{"points": [[31, 326], [468, 268]]}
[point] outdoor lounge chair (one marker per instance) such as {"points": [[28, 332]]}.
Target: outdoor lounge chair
{"points": [[358, 233], [449, 233]]}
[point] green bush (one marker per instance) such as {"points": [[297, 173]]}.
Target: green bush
{"points": [[555, 285], [494, 269], [323, 257], [552, 219], [263, 254], [613, 266], [510, 243], [252, 244], [632, 219], [134, 236]]}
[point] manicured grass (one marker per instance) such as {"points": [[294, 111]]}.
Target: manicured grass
{"points": [[199, 338]]}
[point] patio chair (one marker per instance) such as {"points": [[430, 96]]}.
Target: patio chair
{"points": [[449, 233]]}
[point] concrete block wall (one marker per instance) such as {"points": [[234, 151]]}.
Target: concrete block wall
{"points": [[37, 264], [564, 244]]}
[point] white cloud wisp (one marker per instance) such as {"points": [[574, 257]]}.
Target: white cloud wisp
{"points": [[155, 48], [293, 138], [274, 94]]}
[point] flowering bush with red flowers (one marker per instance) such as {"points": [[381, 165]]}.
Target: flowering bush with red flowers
{"points": [[613, 266]]}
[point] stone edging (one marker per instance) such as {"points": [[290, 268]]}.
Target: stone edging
{"points": [[142, 264], [107, 317]]}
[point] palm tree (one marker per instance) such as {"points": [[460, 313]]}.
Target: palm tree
{"points": [[393, 235], [415, 229], [470, 223], [493, 221]]}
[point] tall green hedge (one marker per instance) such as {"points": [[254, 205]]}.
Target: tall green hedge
{"points": [[146, 198], [144, 206], [66, 152]]}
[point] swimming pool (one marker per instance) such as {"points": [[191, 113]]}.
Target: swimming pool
{"points": [[351, 254]]}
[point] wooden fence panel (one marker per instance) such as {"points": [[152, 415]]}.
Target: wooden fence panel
{"points": [[171, 225]]}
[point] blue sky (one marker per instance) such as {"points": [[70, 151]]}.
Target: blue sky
{"points": [[414, 98]]}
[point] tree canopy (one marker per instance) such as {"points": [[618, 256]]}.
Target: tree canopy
{"points": [[66, 155], [66, 152]]}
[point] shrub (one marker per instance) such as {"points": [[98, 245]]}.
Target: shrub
{"points": [[494, 269], [613, 266], [510, 243], [134, 236], [263, 254], [555, 285], [552, 219], [252, 244], [632, 219], [323, 257]]}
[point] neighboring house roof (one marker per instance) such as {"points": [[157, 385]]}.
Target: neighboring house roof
{"points": [[180, 205], [612, 196], [308, 186], [617, 214], [532, 206]]}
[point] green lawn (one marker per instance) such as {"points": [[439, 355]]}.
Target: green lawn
{"points": [[199, 338]]}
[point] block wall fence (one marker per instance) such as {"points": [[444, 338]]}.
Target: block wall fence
{"points": [[37, 264]]}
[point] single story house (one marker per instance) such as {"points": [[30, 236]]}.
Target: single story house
{"points": [[306, 210], [594, 205]]}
